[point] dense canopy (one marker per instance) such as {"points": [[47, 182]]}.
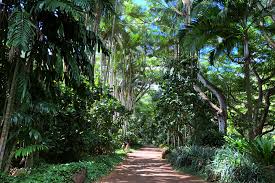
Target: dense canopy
{"points": [[78, 78]]}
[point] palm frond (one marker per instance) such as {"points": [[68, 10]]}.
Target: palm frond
{"points": [[44, 108], [74, 69], [26, 151], [21, 119], [60, 5], [21, 30], [84, 4], [23, 80]]}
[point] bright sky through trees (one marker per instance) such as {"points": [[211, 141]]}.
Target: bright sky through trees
{"points": [[140, 2]]}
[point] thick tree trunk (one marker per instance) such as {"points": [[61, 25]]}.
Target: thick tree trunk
{"points": [[112, 48], [222, 123], [7, 115], [221, 110], [9, 158]]}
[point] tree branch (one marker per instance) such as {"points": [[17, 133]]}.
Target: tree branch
{"points": [[268, 131], [204, 97], [177, 11], [215, 90]]}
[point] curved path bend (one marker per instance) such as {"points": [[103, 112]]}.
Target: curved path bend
{"points": [[146, 166]]}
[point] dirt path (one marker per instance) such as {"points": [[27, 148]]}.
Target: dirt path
{"points": [[146, 166]]}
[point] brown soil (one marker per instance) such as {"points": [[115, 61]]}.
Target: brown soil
{"points": [[146, 166]]}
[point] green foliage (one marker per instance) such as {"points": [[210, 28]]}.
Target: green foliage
{"points": [[196, 157], [21, 30], [26, 151], [221, 165], [82, 127], [260, 149], [236, 142], [96, 168], [230, 165], [63, 6], [179, 107]]}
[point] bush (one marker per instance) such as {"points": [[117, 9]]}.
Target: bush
{"points": [[96, 168], [82, 127], [261, 149], [230, 165], [196, 157], [213, 138], [226, 165]]}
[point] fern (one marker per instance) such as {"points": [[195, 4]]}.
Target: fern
{"points": [[262, 149], [21, 30], [26, 151]]}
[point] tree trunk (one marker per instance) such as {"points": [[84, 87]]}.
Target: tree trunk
{"points": [[258, 129], [168, 138], [103, 69], [187, 11], [9, 156], [95, 30], [7, 115], [247, 80], [222, 123], [221, 110], [174, 139], [111, 60], [178, 136]]}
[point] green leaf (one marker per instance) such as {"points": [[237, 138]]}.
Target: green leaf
{"points": [[21, 30], [26, 151]]}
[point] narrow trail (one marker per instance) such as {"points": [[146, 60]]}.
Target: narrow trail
{"points": [[146, 166]]}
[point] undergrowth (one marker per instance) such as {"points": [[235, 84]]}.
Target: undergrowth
{"points": [[225, 165], [96, 167]]}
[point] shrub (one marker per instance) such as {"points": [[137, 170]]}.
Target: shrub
{"points": [[230, 165], [213, 138], [96, 167], [226, 165], [261, 149], [194, 156]]}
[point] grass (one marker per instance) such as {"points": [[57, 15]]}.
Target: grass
{"points": [[96, 167]]}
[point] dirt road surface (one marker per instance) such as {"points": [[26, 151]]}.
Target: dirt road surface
{"points": [[146, 166]]}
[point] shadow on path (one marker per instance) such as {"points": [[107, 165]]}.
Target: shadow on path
{"points": [[146, 166]]}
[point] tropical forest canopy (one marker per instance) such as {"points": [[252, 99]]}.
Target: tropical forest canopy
{"points": [[80, 77]]}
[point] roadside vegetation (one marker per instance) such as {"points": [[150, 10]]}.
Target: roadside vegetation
{"points": [[80, 78]]}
